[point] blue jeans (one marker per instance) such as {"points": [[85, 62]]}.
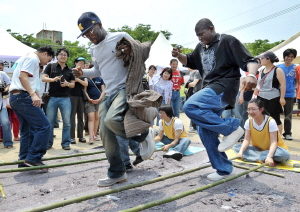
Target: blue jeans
{"points": [[4, 121], [64, 105], [253, 153], [242, 109], [181, 146], [124, 143], [204, 108], [34, 127], [175, 102]]}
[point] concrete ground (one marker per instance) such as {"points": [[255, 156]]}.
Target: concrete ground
{"points": [[12, 154]]}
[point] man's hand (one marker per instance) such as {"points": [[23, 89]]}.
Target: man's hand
{"points": [[55, 79], [249, 83], [175, 52], [126, 49], [64, 84], [77, 72], [36, 100]]}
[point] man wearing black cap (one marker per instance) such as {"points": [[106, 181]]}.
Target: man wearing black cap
{"points": [[114, 105]]}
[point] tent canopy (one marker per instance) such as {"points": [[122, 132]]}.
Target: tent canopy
{"points": [[292, 42], [11, 46]]}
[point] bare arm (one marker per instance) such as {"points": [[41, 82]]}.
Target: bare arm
{"points": [[46, 78], [250, 82], [180, 57], [245, 143], [281, 78], [82, 82], [174, 142], [25, 83], [273, 146], [159, 136], [194, 83]]}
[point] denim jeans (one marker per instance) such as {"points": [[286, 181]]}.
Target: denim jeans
{"points": [[175, 102], [204, 108], [288, 112], [124, 143], [111, 116], [181, 146], [4, 121], [64, 105], [242, 109], [34, 127], [253, 153]]}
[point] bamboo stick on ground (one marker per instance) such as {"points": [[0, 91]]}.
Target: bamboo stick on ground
{"points": [[54, 158], [259, 170], [2, 191], [115, 190], [187, 193]]}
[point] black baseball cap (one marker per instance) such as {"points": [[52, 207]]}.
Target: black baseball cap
{"points": [[86, 21], [269, 55]]}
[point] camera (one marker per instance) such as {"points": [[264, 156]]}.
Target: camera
{"points": [[2, 86]]}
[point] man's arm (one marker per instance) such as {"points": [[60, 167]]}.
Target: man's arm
{"points": [[180, 57], [25, 83]]}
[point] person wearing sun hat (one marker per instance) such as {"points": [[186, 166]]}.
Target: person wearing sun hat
{"points": [[77, 102], [114, 105]]}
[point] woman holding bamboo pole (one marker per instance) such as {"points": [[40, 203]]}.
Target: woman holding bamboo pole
{"points": [[262, 130]]}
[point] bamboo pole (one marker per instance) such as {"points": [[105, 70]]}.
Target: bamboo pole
{"points": [[54, 158], [187, 193], [2, 191], [115, 190], [49, 166], [259, 170]]}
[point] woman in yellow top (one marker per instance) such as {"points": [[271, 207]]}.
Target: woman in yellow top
{"points": [[267, 144], [172, 134]]}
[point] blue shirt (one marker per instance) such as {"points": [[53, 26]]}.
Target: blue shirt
{"points": [[93, 91], [290, 74]]}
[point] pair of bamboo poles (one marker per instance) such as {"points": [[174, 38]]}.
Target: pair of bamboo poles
{"points": [[122, 188]]}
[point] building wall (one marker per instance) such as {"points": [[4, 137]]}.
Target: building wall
{"points": [[54, 36]]}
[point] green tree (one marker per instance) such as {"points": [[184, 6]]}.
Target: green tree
{"points": [[73, 47], [141, 32], [259, 46]]}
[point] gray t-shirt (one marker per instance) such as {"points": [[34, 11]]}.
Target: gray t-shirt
{"points": [[107, 66], [196, 75]]}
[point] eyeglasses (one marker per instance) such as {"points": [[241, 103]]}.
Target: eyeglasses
{"points": [[63, 55], [162, 113], [252, 110], [89, 32]]}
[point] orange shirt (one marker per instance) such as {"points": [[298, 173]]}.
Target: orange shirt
{"points": [[297, 69]]}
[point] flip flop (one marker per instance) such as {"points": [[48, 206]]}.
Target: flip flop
{"points": [[9, 147]]}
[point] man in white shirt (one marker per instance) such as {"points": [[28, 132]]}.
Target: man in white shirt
{"points": [[25, 102]]}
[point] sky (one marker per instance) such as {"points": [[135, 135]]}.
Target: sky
{"points": [[177, 16]]}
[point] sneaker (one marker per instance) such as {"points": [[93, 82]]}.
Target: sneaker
{"points": [[230, 140], [110, 181], [73, 141], [138, 160], [31, 164], [192, 130], [147, 147], [66, 147], [173, 154], [82, 140], [288, 137], [96, 138], [22, 165], [129, 168], [216, 177], [91, 140]]}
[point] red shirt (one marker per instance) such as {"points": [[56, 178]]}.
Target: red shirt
{"points": [[177, 80]]}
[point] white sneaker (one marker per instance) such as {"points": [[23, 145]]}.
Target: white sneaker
{"points": [[230, 140], [173, 154], [147, 147], [288, 137], [216, 177], [110, 181]]}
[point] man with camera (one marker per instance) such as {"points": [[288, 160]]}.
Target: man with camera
{"points": [[61, 79]]}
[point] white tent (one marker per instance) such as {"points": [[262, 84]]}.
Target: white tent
{"points": [[160, 54], [292, 42], [11, 49]]}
